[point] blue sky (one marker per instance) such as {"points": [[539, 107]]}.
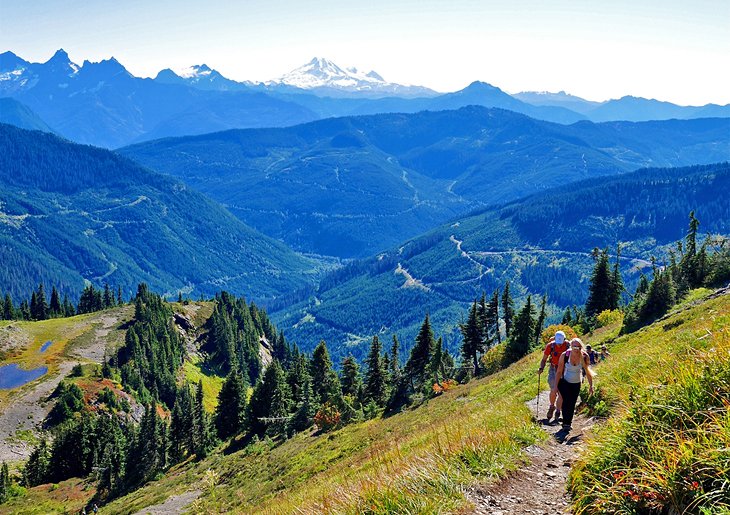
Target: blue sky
{"points": [[671, 50]]}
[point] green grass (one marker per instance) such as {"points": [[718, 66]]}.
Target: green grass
{"points": [[666, 448], [212, 383]]}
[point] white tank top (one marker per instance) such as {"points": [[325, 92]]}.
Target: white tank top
{"points": [[573, 373]]}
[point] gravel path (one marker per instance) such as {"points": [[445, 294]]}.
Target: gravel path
{"points": [[539, 487], [173, 505]]}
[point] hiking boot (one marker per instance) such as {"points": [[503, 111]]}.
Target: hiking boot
{"points": [[557, 415], [566, 429], [550, 412]]}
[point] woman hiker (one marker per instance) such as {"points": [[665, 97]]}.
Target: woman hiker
{"points": [[569, 375], [554, 349]]}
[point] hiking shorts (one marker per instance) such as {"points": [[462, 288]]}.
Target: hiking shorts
{"points": [[551, 376]]}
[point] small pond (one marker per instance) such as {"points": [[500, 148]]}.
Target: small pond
{"points": [[12, 376], [45, 346]]}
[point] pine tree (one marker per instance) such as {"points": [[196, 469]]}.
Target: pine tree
{"points": [[567, 318], [472, 343], [522, 337], [417, 365], [230, 412], [42, 306], [181, 424], [37, 467], [202, 438], [297, 376], [441, 362], [350, 377], [120, 299], [375, 388], [508, 310], [325, 383]]}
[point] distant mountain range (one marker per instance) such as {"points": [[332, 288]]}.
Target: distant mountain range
{"points": [[541, 244], [71, 213], [355, 186], [103, 104]]}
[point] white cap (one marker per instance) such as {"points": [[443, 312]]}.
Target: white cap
{"points": [[559, 337]]}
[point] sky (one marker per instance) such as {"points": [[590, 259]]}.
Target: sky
{"points": [[672, 50]]}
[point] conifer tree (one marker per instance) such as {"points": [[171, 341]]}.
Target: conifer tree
{"points": [[55, 305], [181, 424], [567, 318], [522, 337], [67, 308], [508, 310], [472, 343], [441, 362], [375, 388], [416, 367], [305, 409], [394, 357], [4, 483], [42, 306], [202, 437], [8, 310], [492, 321], [120, 299], [325, 383], [297, 376], [107, 297], [269, 406], [230, 412], [36, 470], [350, 377], [617, 282], [600, 290], [541, 319]]}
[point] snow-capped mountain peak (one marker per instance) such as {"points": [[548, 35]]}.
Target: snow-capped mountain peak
{"points": [[324, 75], [197, 70]]}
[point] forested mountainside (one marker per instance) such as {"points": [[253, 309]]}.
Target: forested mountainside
{"points": [[351, 187], [541, 245], [71, 213]]}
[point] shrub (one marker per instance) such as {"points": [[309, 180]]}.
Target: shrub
{"points": [[328, 417], [550, 331], [609, 317], [493, 360]]}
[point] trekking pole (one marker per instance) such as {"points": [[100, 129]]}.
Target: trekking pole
{"points": [[537, 406]]}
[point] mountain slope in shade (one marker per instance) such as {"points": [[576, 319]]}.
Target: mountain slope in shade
{"points": [[541, 244], [71, 213], [13, 112], [354, 186]]}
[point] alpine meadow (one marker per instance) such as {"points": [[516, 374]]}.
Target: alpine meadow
{"points": [[491, 277]]}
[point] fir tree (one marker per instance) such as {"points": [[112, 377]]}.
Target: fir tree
{"points": [[350, 378], [600, 290], [55, 305], [36, 470], [491, 328], [325, 383], [540, 319], [268, 408], [375, 388], [508, 310], [567, 318], [8, 310], [617, 282], [417, 365], [107, 297], [522, 337], [230, 412], [4, 483], [472, 343], [202, 437], [305, 409]]}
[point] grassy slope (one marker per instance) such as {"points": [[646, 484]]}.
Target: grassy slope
{"points": [[421, 460]]}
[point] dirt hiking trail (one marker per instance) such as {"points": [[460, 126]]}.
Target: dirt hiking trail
{"points": [[539, 487]]}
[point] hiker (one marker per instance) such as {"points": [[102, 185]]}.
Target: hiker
{"points": [[592, 355], [555, 348], [571, 366], [604, 353]]}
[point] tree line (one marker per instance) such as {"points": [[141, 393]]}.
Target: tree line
{"points": [[40, 307]]}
